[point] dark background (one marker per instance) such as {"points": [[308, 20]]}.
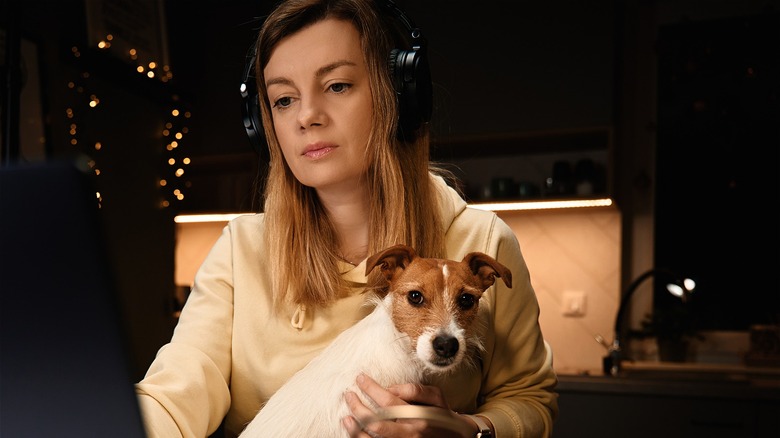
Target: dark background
{"points": [[718, 185], [503, 67]]}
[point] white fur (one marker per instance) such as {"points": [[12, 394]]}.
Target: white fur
{"points": [[311, 403]]}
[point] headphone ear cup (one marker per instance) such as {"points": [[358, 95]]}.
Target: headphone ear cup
{"points": [[250, 111], [412, 82], [251, 114]]}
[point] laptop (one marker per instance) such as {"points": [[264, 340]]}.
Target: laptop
{"points": [[64, 361]]}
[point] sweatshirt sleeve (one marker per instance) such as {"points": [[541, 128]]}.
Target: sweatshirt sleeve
{"points": [[185, 392], [519, 381]]}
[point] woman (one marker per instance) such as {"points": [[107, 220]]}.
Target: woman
{"points": [[344, 182]]}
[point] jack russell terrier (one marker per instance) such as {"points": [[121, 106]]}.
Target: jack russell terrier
{"points": [[421, 325]]}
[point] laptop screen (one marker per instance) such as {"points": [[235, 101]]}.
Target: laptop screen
{"points": [[64, 368]]}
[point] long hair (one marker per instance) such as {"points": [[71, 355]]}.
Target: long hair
{"points": [[403, 207]]}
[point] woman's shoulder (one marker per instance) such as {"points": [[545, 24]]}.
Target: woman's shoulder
{"points": [[246, 221], [245, 225], [477, 230], [477, 219]]}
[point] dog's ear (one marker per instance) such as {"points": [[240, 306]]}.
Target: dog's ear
{"points": [[487, 269], [392, 260]]}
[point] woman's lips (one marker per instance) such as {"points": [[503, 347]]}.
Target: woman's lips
{"points": [[318, 150]]}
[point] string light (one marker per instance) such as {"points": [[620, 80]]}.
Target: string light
{"points": [[175, 183], [87, 101], [172, 182]]}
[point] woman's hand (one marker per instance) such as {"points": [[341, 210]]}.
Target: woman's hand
{"points": [[359, 423]]}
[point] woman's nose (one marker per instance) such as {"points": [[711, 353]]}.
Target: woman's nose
{"points": [[311, 112]]}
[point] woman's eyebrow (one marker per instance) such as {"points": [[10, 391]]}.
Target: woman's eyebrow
{"points": [[322, 71], [278, 81]]}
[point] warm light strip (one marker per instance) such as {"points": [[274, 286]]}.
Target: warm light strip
{"points": [[543, 205], [492, 206], [194, 218]]}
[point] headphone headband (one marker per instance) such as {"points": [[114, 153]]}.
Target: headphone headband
{"points": [[407, 22]]}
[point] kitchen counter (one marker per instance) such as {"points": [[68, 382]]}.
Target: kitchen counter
{"points": [[681, 379], [654, 399]]}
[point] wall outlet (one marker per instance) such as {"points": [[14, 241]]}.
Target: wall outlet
{"points": [[574, 303]]}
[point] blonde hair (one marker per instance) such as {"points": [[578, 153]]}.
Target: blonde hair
{"points": [[403, 206]]}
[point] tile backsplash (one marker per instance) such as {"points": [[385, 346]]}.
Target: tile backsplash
{"points": [[574, 250]]}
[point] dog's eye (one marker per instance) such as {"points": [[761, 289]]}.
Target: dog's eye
{"points": [[415, 298], [466, 301]]}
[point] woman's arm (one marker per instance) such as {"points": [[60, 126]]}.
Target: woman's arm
{"points": [[185, 391]]}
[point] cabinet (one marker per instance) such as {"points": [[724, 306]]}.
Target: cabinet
{"points": [[530, 166], [624, 407]]}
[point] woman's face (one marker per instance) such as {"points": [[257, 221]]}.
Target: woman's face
{"points": [[320, 97]]}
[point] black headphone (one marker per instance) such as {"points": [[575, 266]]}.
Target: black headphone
{"points": [[250, 108], [410, 73]]}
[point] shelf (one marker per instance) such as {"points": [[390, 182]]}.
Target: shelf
{"points": [[535, 167], [524, 158]]}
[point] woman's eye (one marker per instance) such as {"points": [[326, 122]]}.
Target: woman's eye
{"points": [[466, 301], [340, 87], [415, 298], [282, 102]]}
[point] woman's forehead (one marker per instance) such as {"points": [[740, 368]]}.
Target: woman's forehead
{"points": [[321, 43]]}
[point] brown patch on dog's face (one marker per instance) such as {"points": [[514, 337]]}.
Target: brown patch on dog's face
{"points": [[434, 295], [435, 301]]}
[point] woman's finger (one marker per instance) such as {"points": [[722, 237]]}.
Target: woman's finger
{"points": [[419, 394], [354, 428], [380, 395], [364, 424], [388, 428], [360, 412]]}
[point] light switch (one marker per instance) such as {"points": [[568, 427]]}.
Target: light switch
{"points": [[574, 303]]}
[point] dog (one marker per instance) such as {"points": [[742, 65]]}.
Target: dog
{"points": [[421, 326]]}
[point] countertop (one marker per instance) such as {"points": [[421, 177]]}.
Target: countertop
{"points": [[680, 379]]}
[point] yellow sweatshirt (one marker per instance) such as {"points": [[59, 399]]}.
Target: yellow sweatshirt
{"points": [[230, 352]]}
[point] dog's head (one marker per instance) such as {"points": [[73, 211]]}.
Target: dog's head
{"points": [[435, 301]]}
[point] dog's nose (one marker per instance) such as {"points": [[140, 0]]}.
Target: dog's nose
{"points": [[445, 346]]}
